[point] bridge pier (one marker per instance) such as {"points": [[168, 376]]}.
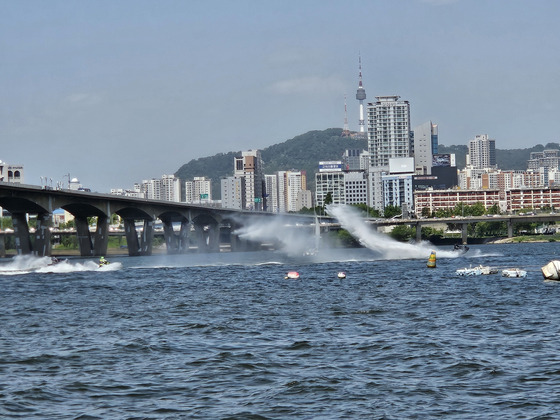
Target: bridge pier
{"points": [[510, 229], [208, 238], [42, 246], [184, 236], [92, 244], [176, 244], [464, 233], [171, 240], [139, 245], [418, 232], [21, 233]]}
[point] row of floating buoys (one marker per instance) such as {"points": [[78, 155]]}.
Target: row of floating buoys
{"points": [[295, 275]]}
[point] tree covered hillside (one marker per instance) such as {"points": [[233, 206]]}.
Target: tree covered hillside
{"points": [[303, 153]]}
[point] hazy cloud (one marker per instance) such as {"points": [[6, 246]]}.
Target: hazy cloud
{"points": [[83, 99], [311, 84]]}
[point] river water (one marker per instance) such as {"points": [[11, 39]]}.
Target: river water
{"points": [[227, 336]]}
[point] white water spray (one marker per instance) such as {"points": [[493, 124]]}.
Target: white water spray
{"points": [[23, 264], [384, 246], [293, 240]]}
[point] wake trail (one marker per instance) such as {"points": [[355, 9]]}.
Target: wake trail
{"points": [[24, 264], [384, 246]]}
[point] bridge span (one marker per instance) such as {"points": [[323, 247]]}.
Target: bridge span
{"points": [[200, 224], [464, 222]]}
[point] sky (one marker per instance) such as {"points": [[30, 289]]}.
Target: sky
{"points": [[113, 92]]}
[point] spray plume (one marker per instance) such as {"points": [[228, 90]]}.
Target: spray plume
{"points": [[277, 230], [384, 246]]}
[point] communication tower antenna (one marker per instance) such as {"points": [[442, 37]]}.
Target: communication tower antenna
{"points": [[345, 131], [360, 96]]}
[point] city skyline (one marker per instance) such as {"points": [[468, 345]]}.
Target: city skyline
{"points": [[115, 92]]}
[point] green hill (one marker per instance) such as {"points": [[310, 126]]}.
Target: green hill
{"points": [[304, 152]]}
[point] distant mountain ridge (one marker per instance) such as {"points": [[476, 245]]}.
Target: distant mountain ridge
{"points": [[304, 152]]}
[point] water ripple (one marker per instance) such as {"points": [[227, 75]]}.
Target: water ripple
{"points": [[238, 341]]}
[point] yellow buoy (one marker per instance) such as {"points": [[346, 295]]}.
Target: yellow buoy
{"points": [[432, 260]]}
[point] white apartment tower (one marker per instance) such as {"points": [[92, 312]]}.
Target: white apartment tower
{"points": [[170, 188], [482, 152], [388, 130], [167, 188], [296, 183], [289, 186], [151, 188], [199, 190]]}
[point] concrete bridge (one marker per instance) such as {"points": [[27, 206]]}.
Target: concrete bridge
{"points": [[463, 222], [197, 223]]}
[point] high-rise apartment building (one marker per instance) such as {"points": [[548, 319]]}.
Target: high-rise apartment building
{"points": [[271, 193], [151, 188], [289, 185], [170, 188], [388, 130], [296, 182], [544, 159], [199, 190], [233, 192], [250, 166], [167, 188], [482, 152]]}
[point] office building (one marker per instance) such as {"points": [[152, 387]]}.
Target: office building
{"points": [[425, 147], [329, 181], [352, 160]]}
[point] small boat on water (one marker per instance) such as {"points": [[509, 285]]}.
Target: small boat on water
{"points": [[471, 271], [341, 275], [514, 273], [477, 271], [551, 271], [292, 275], [460, 248]]}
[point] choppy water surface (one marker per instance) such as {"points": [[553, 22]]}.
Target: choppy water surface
{"points": [[226, 336]]}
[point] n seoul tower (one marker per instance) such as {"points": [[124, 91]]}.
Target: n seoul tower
{"points": [[360, 96]]}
